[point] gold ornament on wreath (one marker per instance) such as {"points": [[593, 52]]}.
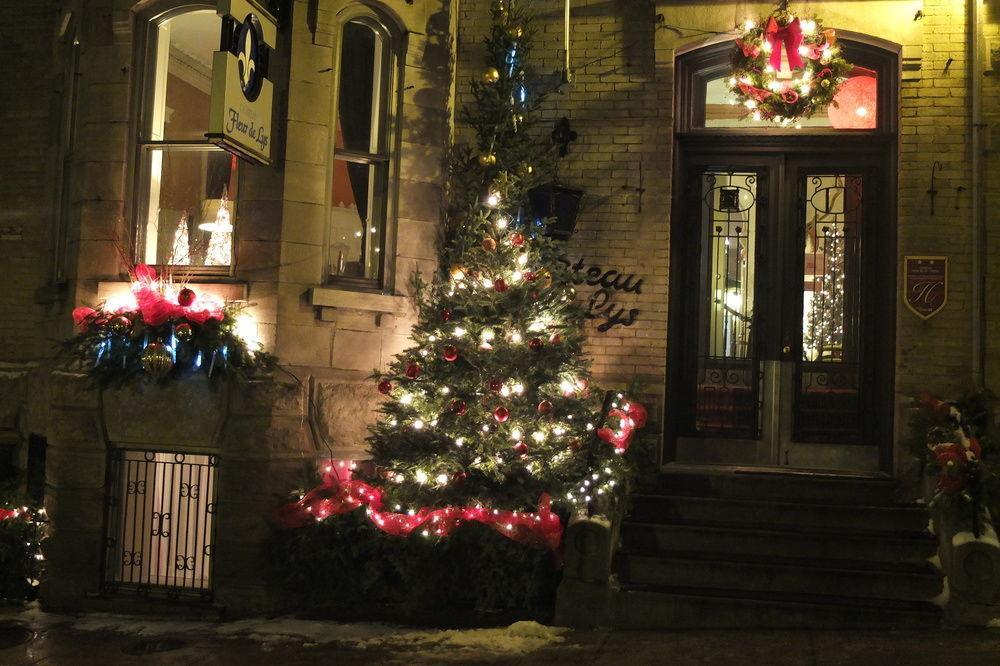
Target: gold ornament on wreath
{"points": [[786, 67]]}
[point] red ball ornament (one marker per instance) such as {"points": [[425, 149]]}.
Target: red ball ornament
{"points": [[496, 385], [535, 295], [489, 244], [459, 476], [451, 353], [517, 239], [575, 445], [555, 338], [185, 297], [501, 414], [413, 370], [446, 315], [544, 407], [385, 387], [529, 276], [458, 407], [500, 285], [183, 331], [535, 344], [521, 449]]}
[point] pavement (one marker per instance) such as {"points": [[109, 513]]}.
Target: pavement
{"points": [[108, 640]]}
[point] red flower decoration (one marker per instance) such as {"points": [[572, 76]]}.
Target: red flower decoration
{"points": [[749, 50], [789, 96], [951, 458], [82, 315]]}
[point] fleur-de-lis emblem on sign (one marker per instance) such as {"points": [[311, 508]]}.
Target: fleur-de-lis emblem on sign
{"points": [[245, 60]]}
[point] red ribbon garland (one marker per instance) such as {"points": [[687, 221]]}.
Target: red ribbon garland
{"points": [[335, 497], [789, 36]]}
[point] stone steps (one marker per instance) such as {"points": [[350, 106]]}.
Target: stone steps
{"points": [[777, 514], [650, 607], [855, 580], [734, 540], [783, 550]]}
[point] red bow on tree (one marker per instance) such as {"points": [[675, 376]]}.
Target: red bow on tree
{"points": [[790, 37]]}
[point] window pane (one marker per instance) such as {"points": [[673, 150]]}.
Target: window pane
{"points": [[357, 219], [182, 75], [192, 207], [854, 106], [359, 94]]}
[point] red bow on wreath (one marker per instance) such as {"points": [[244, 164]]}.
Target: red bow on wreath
{"points": [[790, 36]]}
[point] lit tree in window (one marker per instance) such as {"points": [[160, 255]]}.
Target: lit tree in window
{"points": [[180, 253], [824, 334], [220, 243]]}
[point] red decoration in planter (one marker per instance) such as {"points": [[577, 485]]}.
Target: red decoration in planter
{"points": [[952, 459], [185, 297]]}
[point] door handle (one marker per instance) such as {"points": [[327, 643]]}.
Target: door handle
{"points": [[786, 349]]}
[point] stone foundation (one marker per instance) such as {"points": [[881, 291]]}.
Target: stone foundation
{"points": [[260, 433]]}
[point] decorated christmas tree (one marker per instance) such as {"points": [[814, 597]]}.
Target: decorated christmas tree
{"points": [[491, 415], [824, 334]]}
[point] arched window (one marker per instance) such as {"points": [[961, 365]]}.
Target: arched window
{"points": [[186, 188], [363, 152], [865, 102]]}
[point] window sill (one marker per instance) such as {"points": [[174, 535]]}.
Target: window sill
{"points": [[227, 291], [380, 305]]}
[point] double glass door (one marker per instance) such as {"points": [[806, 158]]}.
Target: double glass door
{"points": [[779, 333]]}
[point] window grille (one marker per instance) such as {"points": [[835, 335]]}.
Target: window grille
{"points": [[161, 523]]}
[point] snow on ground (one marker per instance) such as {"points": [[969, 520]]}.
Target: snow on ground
{"points": [[518, 639]]}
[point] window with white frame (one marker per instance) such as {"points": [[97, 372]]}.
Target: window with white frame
{"points": [[187, 187], [360, 176]]}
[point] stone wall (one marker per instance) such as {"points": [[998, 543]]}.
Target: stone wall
{"points": [[621, 104], [260, 433]]}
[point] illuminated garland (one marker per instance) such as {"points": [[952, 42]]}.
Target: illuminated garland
{"points": [[766, 88], [21, 532], [163, 332], [956, 446]]}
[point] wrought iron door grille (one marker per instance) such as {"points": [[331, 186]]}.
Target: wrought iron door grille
{"points": [[160, 523]]}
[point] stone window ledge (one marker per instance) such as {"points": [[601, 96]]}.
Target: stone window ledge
{"points": [[384, 307], [227, 291]]}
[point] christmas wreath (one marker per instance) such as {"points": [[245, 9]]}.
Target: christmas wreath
{"points": [[786, 67]]}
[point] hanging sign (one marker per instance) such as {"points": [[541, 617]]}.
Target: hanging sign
{"points": [[242, 95], [925, 281]]}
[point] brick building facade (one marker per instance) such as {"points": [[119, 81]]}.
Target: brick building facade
{"points": [[72, 174]]}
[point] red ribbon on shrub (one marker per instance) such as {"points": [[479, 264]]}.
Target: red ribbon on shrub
{"points": [[335, 496], [630, 418], [790, 37]]}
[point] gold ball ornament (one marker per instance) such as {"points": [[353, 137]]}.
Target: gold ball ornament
{"points": [[516, 31], [491, 75], [489, 244], [487, 159], [457, 272], [825, 83], [156, 360]]}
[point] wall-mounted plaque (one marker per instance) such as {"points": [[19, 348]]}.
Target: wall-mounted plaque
{"points": [[925, 285]]}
